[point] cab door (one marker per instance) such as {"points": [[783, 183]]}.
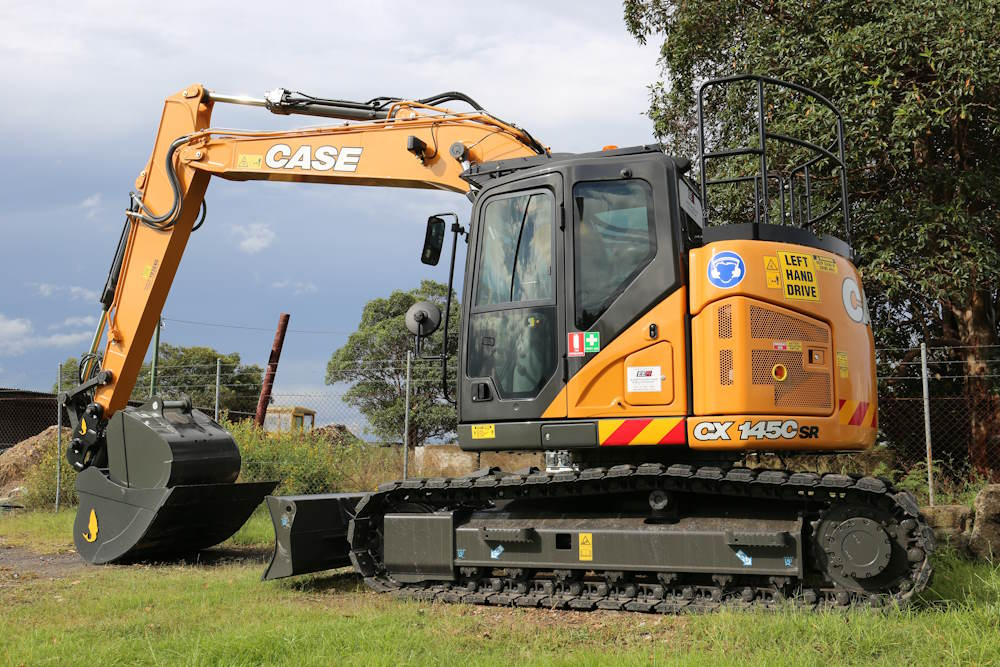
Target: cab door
{"points": [[514, 331]]}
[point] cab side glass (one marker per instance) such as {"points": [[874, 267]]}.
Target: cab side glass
{"points": [[433, 241]]}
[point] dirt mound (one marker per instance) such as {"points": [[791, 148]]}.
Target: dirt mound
{"points": [[337, 434], [25, 455]]}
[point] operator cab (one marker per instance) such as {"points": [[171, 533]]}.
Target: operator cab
{"points": [[577, 304]]}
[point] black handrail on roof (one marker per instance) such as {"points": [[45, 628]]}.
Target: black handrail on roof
{"points": [[799, 215]]}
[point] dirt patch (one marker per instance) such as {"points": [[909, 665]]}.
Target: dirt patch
{"points": [[16, 462], [18, 564]]}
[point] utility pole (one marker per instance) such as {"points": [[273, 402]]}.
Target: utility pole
{"points": [[272, 368]]}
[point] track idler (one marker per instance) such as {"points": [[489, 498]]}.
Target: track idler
{"points": [[168, 489]]}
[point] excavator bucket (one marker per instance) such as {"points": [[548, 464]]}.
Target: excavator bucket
{"points": [[310, 532], [169, 489]]}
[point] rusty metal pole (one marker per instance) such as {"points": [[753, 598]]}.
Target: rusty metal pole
{"points": [[272, 367]]}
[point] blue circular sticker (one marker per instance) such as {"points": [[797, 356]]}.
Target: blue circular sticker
{"points": [[726, 269]]}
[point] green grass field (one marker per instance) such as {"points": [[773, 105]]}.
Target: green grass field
{"points": [[222, 613]]}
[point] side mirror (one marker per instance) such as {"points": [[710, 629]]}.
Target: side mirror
{"points": [[423, 318], [433, 241]]}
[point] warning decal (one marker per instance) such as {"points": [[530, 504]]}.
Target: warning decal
{"points": [[484, 431], [842, 365], [586, 546], [825, 264], [771, 272], [798, 273], [245, 161], [574, 344]]}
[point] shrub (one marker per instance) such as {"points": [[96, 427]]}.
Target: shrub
{"points": [[41, 481], [301, 462], [310, 463]]}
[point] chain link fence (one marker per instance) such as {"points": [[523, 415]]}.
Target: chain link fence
{"points": [[939, 435]]}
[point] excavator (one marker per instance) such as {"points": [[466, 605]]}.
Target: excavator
{"points": [[616, 309]]}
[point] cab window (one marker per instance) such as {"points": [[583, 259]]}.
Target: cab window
{"points": [[517, 250], [513, 331], [614, 241]]}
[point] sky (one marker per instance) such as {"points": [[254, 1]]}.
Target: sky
{"points": [[85, 83]]}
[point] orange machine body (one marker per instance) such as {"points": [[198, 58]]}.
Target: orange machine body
{"points": [[783, 360]]}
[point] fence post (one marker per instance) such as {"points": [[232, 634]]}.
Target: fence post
{"points": [[406, 417], [218, 380], [58, 437], [927, 422], [156, 359]]}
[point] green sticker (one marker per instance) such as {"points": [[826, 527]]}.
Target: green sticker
{"points": [[591, 342]]}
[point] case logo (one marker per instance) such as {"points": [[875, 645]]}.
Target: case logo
{"points": [[726, 269], [325, 158]]}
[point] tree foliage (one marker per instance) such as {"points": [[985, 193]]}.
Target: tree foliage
{"points": [[918, 83], [373, 362], [191, 371], [919, 86]]}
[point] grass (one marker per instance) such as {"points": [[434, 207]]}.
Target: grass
{"points": [[224, 614], [52, 532]]}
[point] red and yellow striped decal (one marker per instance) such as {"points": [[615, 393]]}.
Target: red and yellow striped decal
{"points": [[857, 413], [652, 431]]}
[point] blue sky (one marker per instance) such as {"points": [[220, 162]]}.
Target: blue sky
{"points": [[84, 84]]}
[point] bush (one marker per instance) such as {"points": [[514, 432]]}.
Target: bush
{"points": [[41, 481], [301, 462], [310, 462]]}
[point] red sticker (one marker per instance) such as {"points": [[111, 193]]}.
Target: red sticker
{"points": [[574, 344]]}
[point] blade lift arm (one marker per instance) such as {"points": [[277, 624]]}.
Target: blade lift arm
{"points": [[386, 142]]}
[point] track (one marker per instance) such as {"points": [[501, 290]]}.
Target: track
{"points": [[832, 504]]}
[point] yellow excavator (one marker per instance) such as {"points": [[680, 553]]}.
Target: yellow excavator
{"points": [[614, 310]]}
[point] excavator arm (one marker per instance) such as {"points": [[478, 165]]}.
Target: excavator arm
{"points": [[385, 142], [407, 144]]}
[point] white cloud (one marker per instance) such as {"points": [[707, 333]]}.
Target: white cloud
{"points": [[17, 336], [84, 321], [74, 292], [298, 287], [587, 76], [254, 237], [44, 289], [91, 205]]}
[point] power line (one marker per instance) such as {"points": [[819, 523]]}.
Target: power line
{"points": [[221, 325]]}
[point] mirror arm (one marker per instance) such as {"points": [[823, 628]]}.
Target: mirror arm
{"points": [[456, 229]]}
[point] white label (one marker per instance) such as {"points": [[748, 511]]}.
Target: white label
{"points": [[690, 202], [644, 379]]}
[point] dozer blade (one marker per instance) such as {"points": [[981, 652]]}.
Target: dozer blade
{"points": [[310, 532], [117, 524], [169, 489]]}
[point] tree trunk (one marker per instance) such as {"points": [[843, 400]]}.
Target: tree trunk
{"points": [[976, 327]]}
